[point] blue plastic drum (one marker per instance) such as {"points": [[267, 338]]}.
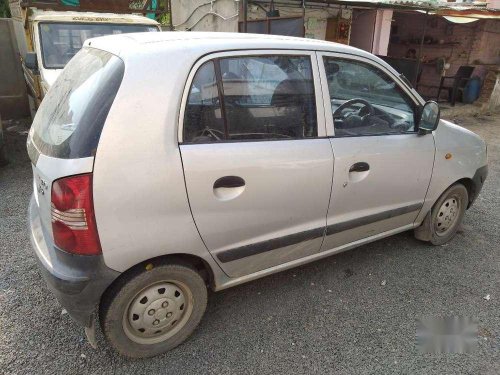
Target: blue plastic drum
{"points": [[472, 90]]}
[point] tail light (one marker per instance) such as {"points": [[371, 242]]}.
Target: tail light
{"points": [[73, 219]]}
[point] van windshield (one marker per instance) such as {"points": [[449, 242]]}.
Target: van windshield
{"points": [[61, 41], [70, 119]]}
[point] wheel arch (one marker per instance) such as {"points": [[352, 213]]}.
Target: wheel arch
{"points": [[198, 263], [469, 185], [423, 231]]}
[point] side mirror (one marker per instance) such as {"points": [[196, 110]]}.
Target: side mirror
{"points": [[429, 117], [31, 62]]}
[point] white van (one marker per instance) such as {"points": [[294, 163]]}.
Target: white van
{"points": [[49, 35]]}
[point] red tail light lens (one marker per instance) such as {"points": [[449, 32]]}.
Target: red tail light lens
{"points": [[73, 219]]}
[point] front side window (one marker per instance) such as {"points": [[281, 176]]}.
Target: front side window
{"points": [[61, 41], [259, 98], [366, 101]]}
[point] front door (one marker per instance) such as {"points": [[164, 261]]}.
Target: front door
{"points": [[382, 165], [257, 164]]}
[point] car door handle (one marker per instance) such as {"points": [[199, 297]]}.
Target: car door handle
{"points": [[229, 182], [359, 167]]}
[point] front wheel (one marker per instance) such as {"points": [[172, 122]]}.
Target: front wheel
{"points": [[147, 313], [447, 214]]}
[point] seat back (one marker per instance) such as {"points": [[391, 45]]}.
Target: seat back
{"points": [[464, 71]]}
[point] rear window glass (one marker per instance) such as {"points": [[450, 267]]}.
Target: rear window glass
{"points": [[69, 122]]}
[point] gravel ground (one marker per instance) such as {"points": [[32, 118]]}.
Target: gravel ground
{"points": [[332, 316]]}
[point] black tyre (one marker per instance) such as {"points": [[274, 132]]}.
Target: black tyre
{"points": [[448, 213], [146, 313], [3, 159]]}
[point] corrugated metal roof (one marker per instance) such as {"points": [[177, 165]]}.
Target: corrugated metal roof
{"points": [[423, 3], [473, 10], [436, 3]]}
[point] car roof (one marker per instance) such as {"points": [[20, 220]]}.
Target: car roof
{"points": [[90, 17], [126, 44]]}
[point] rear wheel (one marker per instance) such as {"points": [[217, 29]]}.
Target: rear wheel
{"points": [[147, 313], [447, 214]]}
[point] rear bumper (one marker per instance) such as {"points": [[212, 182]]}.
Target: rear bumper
{"points": [[78, 282]]}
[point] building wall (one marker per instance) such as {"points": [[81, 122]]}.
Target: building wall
{"points": [[493, 4], [371, 30], [486, 43], [194, 15], [371, 33], [477, 42], [382, 32], [362, 28], [13, 95], [186, 14], [315, 19]]}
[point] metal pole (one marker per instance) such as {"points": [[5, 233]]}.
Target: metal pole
{"points": [[374, 29], [245, 15], [419, 56], [171, 22], [304, 18]]}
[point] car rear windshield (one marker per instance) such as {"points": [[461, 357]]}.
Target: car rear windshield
{"points": [[61, 41], [70, 119]]}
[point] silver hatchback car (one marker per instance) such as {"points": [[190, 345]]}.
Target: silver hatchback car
{"points": [[164, 163]]}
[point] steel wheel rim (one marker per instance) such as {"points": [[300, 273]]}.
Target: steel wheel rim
{"points": [[447, 215], [158, 312]]}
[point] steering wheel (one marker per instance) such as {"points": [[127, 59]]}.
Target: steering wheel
{"points": [[401, 126], [367, 107], [209, 132]]}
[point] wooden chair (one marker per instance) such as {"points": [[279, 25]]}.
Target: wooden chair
{"points": [[460, 79]]}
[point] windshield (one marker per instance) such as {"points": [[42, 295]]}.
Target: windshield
{"points": [[70, 119], [61, 41]]}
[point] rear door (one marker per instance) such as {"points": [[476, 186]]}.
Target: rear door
{"points": [[383, 166], [257, 165]]}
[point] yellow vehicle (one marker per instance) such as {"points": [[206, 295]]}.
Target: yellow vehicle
{"points": [[50, 33]]}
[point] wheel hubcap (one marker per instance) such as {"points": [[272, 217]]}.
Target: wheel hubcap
{"points": [[447, 215], [157, 312]]}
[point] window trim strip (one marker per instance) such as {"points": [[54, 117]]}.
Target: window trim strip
{"points": [[220, 92]]}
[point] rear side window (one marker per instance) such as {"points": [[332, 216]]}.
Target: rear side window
{"points": [[203, 113], [70, 119], [251, 98]]}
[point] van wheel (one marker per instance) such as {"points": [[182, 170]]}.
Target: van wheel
{"points": [[3, 159], [146, 313], [447, 214]]}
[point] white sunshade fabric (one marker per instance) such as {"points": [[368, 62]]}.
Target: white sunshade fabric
{"points": [[460, 19]]}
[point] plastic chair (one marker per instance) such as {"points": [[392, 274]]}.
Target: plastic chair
{"points": [[460, 79]]}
